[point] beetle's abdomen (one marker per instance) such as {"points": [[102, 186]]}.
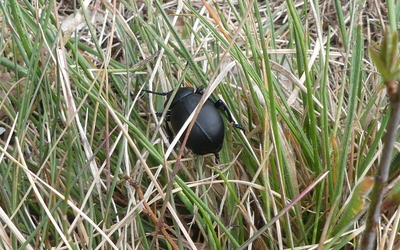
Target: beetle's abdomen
{"points": [[207, 134]]}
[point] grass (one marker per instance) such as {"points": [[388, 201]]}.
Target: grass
{"points": [[86, 164]]}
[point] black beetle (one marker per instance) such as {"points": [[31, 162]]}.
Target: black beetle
{"points": [[207, 134]]}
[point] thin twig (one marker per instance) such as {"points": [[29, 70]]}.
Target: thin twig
{"points": [[374, 212], [157, 222]]}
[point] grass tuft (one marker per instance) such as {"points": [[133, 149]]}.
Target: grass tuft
{"points": [[86, 162]]}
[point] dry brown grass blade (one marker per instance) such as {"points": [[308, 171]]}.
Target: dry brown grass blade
{"points": [[217, 20]]}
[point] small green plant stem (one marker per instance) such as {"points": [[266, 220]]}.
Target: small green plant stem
{"points": [[381, 177]]}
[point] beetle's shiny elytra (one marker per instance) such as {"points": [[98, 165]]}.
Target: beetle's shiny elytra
{"points": [[207, 134]]}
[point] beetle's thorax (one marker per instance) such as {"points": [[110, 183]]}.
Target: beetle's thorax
{"points": [[181, 93]]}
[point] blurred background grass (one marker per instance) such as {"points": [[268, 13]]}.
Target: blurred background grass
{"points": [[84, 161]]}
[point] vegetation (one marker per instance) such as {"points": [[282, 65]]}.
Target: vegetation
{"points": [[85, 161]]}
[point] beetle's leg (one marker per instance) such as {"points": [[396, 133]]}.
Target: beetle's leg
{"points": [[169, 132], [167, 115], [167, 129], [216, 158], [221, 105], [199, 90]]}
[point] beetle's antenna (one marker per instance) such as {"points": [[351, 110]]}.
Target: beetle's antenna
{"points": [[156, 93]]}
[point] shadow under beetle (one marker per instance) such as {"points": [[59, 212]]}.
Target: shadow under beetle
{"points": [[207, 134]]}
